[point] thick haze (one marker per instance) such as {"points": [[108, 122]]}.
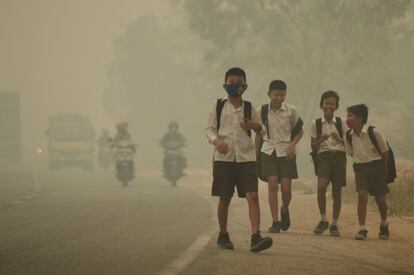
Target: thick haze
{"points": [[149, 62]]}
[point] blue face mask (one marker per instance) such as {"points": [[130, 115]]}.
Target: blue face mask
{"points": [[235, 89]]}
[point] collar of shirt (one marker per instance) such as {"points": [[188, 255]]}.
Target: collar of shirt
{"points": [[324, 120], [363, 130], [283, 107], [236, 109]]}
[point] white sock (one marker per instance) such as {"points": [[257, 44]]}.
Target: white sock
{"points": [[323, 218], [335, 222], [362, 227], [384, 222]]}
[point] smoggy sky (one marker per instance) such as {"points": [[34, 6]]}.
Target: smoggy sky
{"points": [[55, 53]]}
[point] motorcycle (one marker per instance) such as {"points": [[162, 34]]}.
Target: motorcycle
{"points": [[124, 154], [174, 164]]}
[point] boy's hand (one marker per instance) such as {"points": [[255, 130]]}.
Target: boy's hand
{"points": [[248, 124], [221, 146], [335, 136], [291, 151], [324, 137]]}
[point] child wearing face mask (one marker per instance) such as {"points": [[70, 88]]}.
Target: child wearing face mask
{"points": [[229, 127], [330, 163], [370, 166]]}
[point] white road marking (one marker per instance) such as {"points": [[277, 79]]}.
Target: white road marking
{"points": [[188, 256]]}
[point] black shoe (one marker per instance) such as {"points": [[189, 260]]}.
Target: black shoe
{"points": [[334, 231], [361, 235], [322, 226], [285, 219], [384, 233], [224, 242], [275, 228], [258, 243]]}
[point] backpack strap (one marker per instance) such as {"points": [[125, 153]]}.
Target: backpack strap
{"points": [[373, 138], [338, 126], [219, 110], [264, 116], [247, 113], [296, 129], [318, 124], [348, 136]]}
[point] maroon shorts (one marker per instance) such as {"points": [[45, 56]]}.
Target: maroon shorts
{"points": [[227, 175]]}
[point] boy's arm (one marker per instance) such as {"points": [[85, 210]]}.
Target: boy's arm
{"points": [[255, 124], [211, 128]]}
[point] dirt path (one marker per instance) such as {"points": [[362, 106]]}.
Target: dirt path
{"points": [[298, 250]]}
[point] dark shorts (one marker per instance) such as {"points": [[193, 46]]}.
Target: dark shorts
{"points": [[227, 175], [332, 166], [371, 177], [281, 167]]}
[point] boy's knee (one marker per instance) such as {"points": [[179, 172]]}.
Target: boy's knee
{"points": [[363, 196], [252, 197], [322, 189], [272, 187]]}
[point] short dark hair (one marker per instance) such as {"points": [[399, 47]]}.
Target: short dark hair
{"points": [[328, 94], [235, 71], [360, 110], [277, 85]]}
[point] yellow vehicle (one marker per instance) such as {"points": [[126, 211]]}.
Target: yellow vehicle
{"points": [[71, 142]]}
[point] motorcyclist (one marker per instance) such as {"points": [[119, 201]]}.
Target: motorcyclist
{"points": [[123, 139], [105, 155], [172, 142]]}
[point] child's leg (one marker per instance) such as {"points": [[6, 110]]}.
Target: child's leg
{"points": [[322, 185], [273, 187], [362, 206], [223, 212], [383, 208], [337, 201], [254, 211], [286, 187]]}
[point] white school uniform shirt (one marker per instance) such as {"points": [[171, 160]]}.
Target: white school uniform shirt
{"points": [[362, 149], [241, 147], [280, 125], [328, 127]]}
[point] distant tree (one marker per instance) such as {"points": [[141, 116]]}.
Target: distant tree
{"points": [[315, 45]]}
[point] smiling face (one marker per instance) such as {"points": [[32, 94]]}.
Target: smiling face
{"points": [[277, 96], [329, 106]]}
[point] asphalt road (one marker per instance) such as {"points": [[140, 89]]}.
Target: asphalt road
{"points": [[80, 223]]}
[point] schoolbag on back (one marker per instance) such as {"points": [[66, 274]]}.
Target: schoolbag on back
{"points": [[247, 112], [392, 170], [314, 152], [264, 117]]}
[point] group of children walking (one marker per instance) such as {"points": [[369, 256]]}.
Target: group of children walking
{"points": [[238, 161]]}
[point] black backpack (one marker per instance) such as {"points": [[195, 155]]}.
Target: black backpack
{"points": [[264, 111], [314, 153], [392, 171], [247, 112]]}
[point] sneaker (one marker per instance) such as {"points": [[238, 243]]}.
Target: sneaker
{"points": [[322, 226], [285, 221], [224, 242], [384, 233], [334, 231], [275, 228], [258, 243], [362, 235]]}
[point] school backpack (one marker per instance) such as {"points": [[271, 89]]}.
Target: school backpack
{"points": [[247, 112], [392, 171], [264, 111], [314, 152]]}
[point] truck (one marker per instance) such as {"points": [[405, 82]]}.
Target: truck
{"points": [[70, 141], [10, 127]]}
